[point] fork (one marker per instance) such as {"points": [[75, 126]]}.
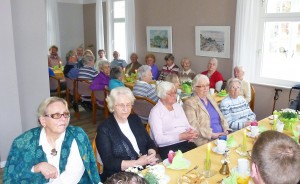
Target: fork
{"points": [[196, 167]]}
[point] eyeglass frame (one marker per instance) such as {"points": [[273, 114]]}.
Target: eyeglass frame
{"points": [[58, 114]]}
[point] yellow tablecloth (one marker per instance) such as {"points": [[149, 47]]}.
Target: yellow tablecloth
{"points": [[197, 156], [59, 73]]}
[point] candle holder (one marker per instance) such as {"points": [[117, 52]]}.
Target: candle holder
{"points": [[207, 172]]}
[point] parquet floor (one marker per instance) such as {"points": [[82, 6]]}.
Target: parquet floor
{"points": [[84, 122]]}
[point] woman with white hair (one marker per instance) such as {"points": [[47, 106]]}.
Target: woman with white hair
{"points": [[142, 86], [215, 77], [169, 126], [203, 112], [102, 79], [235, 108], [122, 140], [245, 88]]}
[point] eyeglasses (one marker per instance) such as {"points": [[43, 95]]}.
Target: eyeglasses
{"points": [[122, 106], [57, 115], [203, 86]]}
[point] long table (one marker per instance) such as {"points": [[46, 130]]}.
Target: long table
{"points": [[197, 156]]}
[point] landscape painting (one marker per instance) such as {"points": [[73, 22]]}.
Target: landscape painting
{"points": [[159, 39], [213, 41]]}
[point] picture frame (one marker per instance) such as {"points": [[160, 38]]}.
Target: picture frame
{"points": [[159, 39], [212, 41]]}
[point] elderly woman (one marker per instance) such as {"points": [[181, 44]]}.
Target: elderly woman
{"points": [[150, 60], [169, 67], [245, 89], [215, 77], [186, 73], [71, 59], [173, 78], [134, 65], [56, 152], [87, 71], [116, 77], [102, 79], [122, 140], [235, 108], [203, 112], [169, 126], [142, 86]]}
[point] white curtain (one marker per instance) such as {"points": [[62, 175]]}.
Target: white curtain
{"points": [[99, 25], [130, 27], [245, 42], [52, 24]]}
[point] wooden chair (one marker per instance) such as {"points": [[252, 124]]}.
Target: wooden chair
{"points": [[70, 90], [98, 100], [82, 92], [106, 111], [97, 156], [252, 101], [142, 107], [55, 88]]}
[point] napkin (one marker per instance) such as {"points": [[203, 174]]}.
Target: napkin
{"points": [[56, 67], [231, 142], [296, 136], [261, 128], [232, 179], [178, 162]]}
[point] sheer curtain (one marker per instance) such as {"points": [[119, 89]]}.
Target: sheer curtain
{"points": [[99, 25], [245, 42], [130, 27], [52, 24]]}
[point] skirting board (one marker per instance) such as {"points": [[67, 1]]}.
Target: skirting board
{"points": [[2, 164]]}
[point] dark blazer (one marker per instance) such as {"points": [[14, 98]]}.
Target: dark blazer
{"points": [[114, 147]]}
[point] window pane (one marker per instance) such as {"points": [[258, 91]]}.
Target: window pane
{"points": [[119, 39], [283, 6], [119, 9], [281, 51]]}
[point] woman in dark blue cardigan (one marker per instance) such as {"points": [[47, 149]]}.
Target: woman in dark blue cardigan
{"points": [[122, 140]]}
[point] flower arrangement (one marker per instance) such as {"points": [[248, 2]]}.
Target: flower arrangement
{"points": [[152, 174], [288, 116]]}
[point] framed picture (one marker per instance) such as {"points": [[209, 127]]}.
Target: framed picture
{"points": [[159, 39], [213, 41]]}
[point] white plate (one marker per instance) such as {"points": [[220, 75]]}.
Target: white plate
{"points": [[215, 150], [167, 163], [249, 134], [271, 117], [164, 180]]}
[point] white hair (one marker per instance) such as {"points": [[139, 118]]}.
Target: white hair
{"points": [[231, 80], [199, 77], [142, 70], [115, 95], [163, 88]]}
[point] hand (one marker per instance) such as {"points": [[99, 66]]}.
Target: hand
{"points": [[248, 123], [48, 170], [216, 135], [147, 159], [189, 135]]}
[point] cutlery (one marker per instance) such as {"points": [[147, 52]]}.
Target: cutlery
{"points": [[196, 167]]}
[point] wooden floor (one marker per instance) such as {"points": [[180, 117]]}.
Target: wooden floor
{"points": [[84, 122]]}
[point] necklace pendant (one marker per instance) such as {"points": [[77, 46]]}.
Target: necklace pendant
{"points": [[53, 152]]}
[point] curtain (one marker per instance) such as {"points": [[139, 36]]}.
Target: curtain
{"points": [[245, 42], [99, 25], [130, 27], [52, 24]]}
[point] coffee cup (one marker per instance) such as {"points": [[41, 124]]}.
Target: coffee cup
{"points": [[211, 91], [243, 166], [221, 145], [254, 130]]}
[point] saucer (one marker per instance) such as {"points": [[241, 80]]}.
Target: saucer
{"points": [[167, 163], [215, 150], [249, 134]]}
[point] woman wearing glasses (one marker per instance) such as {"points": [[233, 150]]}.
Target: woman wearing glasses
{"points": [[203, 112], [122, 140], [52, 153]]}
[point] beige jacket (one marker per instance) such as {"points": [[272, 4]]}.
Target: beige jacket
{"points": [[199, 118]]}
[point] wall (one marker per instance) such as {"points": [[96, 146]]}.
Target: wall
{"points": [[183, 17], [89, 17], [71, 27], [25, 77]]}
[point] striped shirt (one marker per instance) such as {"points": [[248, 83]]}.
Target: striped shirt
{"points": [[237, 112], [87, 72], [144, 89], [167, 70]]}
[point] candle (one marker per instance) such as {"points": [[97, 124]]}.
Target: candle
{"points": [[60, 64], [207, 161], [275, 122], [244, 146], [135, 70], [124, 71]]}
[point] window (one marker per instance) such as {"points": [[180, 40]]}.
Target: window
{"points": [[279, 43]]}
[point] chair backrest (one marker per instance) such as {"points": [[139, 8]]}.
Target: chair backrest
{"points": [[252, 101], [83, 87], [54, 83], [70, 85], [142, 107], [97, 156]]}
